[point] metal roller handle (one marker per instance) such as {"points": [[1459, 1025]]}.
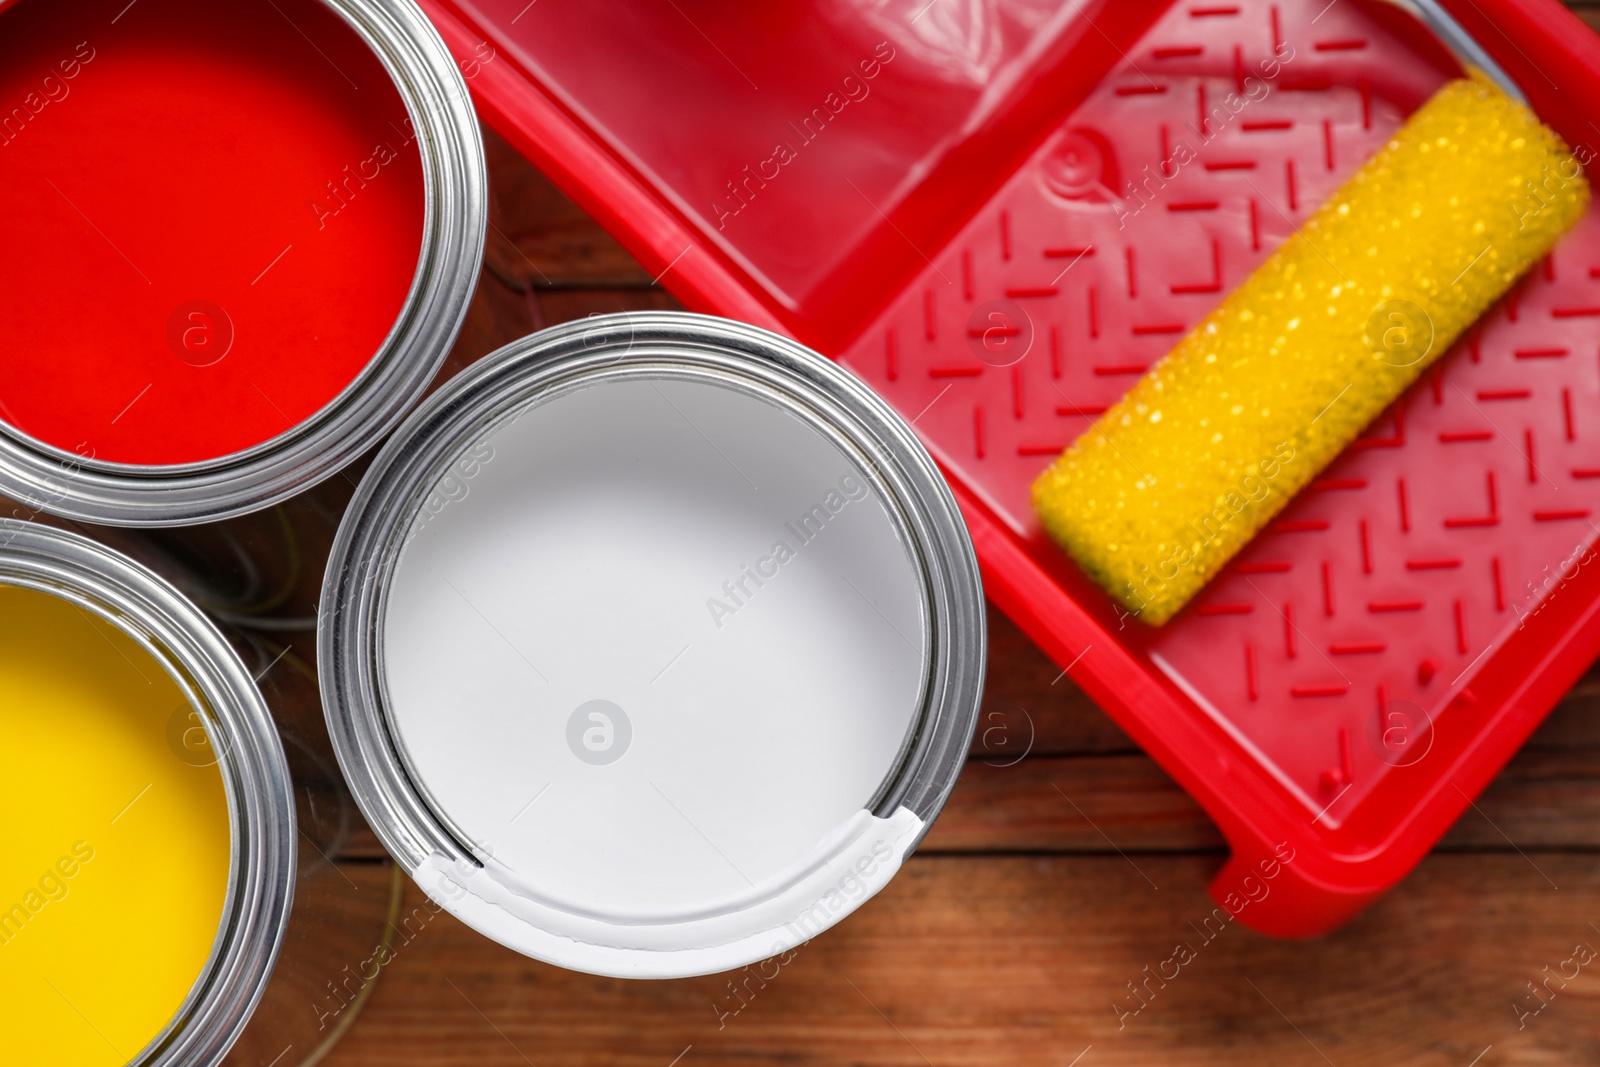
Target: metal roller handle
{"points": [[1433, 15]]}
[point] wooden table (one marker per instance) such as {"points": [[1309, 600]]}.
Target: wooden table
{"points": [[1066, 864]]}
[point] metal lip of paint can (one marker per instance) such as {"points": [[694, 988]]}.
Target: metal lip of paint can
{"points": [[244, 743], [513, 578], [51, 479]]}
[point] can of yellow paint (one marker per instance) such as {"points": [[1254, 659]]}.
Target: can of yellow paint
{"points": [[151, 846]]}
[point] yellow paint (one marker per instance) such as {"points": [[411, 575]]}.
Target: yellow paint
{"points": [[114, 852], [1156, 497]]}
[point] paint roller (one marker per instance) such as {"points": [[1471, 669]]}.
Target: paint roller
{"points": [[1178, 476]]}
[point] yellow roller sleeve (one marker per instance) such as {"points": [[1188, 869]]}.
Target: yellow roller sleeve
{"points": [[1217, 437]]}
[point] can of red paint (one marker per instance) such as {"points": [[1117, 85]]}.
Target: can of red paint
{"points": [[242, 242], [652, 644]]}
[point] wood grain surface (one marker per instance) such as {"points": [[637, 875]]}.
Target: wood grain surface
{"points": [[1067, 870]]}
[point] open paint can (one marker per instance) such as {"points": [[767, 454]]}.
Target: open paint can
{"points": [[241, 240], [652, 644], [150, 859]]}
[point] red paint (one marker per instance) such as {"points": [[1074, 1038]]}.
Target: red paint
{"points": [[182, 157]]}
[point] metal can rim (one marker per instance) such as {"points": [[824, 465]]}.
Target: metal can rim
{"points": [[373, 532], [260, 894], [454, 226]]}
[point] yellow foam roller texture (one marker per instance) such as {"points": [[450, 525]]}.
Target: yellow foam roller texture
{"points": [[1155, 498]]}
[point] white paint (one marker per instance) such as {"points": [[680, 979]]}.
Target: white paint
{"points": [[858, 860], [601, 548]]}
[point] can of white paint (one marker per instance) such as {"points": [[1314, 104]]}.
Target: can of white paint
{"points": [[652, 645]]}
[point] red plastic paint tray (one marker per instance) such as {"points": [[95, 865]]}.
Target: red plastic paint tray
{"points": [[929, 190]]}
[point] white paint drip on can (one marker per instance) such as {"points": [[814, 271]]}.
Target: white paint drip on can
{"points": [[649, 650]]}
